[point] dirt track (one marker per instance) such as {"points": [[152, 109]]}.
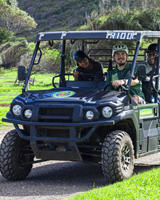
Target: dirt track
{"points": [[57, 180]]}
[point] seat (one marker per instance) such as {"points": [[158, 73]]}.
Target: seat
{"points": [[147, 90]]}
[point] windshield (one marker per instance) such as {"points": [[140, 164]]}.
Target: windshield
{"points": [[48, 65]]}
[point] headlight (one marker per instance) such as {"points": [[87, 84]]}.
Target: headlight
{"points": [[89, 114], [16, 110], [28, 113], [107, 111]]}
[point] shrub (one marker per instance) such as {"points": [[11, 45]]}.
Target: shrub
{"points": [[5, 35]]}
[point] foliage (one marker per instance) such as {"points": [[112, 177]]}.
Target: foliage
{"points": [[31, 46], [5, 35], [124, 19], [50, 60], [56, 15], [142, 186], [51, 57], [10, 56], [14, 19]]}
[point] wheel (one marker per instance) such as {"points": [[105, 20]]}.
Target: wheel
{"points": [[15, 153], [117, 156]]}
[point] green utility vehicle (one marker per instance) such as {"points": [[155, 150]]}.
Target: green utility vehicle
{"points": [[81, 120]]}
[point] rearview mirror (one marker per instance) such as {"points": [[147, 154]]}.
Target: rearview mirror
{"points": [[141, 72], [21, 73]]}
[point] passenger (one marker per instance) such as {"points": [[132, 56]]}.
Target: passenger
{"points": [[87, 65], [151, 55], [119, 75]]}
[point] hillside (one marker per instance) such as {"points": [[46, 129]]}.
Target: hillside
{"points": [[53, 15]]}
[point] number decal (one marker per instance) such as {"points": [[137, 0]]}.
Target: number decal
{"points": [[121, 35]]}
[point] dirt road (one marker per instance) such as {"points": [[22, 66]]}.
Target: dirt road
{"points": [[58, 180]]}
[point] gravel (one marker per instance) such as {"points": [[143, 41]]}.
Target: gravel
{"points": [[59, 180]]}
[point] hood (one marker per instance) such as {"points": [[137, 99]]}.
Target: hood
{"points": [[70, 95]]}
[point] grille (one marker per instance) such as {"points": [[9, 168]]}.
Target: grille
{"points": [[56, 111], [55, 115]]}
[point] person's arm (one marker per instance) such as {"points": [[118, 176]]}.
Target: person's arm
{"points": [[134, 82], [75, 74], [117, 83]]}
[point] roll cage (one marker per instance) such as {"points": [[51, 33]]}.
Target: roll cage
{"points": [[94, 37]]}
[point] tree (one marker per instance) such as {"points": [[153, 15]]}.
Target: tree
{"points": [[124, 19], [14, 19], [5, 35]]}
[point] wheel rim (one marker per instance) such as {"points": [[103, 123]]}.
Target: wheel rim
{"points": [[22, 156], [126, 157]]}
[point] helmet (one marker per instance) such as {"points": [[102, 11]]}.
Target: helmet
{"points": [[119, 47], [152, 47], [79, 55]]}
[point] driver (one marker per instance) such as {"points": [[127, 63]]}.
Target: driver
{"points": [[119, 75], [88, 66]]}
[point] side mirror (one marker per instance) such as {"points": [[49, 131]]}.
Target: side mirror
{"points": [[141, 72], [21, 73]]}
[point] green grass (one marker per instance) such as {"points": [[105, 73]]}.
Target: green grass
{"points": [[144, 186], [8, 91], [3, 112]]}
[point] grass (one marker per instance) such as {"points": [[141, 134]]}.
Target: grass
{"points": [[8, 91], [3, 112], [144, 186]]}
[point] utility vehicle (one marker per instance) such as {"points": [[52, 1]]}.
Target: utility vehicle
{"points": [[81, 120]]}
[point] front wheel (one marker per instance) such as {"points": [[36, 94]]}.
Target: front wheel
{"points": [[117, 156], [15, 155]]}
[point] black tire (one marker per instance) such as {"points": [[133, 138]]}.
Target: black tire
{"points": [[14, 153], [117, 156]]}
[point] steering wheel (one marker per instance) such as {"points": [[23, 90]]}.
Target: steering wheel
{"points": [[109, 84], [84, 77]]}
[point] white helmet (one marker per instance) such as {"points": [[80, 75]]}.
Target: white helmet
{"points": [[119, 47]]}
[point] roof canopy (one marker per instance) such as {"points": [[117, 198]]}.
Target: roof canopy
{"points": [[82, 35]]}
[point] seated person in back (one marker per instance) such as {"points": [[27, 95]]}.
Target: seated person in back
{"points": [[88, 66], [151, 55]]}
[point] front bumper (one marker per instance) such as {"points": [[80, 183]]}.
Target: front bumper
{"points": [[72, 153]]}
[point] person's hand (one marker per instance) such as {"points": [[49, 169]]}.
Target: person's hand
{"points": [[75, 74], [117, 83]]}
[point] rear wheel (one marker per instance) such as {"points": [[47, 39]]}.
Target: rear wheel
{"points": [[117, 156], [15, 153]]}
